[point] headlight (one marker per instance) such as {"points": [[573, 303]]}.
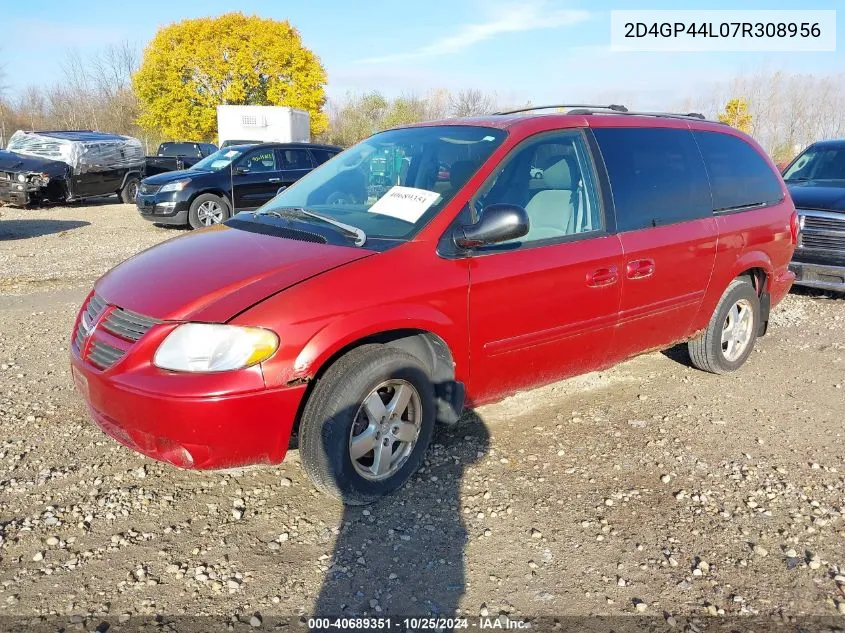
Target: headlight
{"points": [[21, 178], [207, 347], [176, 185]]}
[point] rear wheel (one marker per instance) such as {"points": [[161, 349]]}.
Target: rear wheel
{"points": [[207, 210], [129, 190], [730, 336], [367, 424]]}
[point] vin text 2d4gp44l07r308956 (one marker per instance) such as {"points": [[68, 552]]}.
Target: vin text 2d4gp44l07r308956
{"points": [[431, 268]]}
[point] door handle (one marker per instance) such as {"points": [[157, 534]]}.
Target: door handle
{"points": [[274, 180], [640, 268], [603, 277]]}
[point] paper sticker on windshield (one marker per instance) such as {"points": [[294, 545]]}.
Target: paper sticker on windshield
{"points": [[405, 203], [230, 153]]}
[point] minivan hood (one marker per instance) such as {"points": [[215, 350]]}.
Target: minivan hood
{"points": [[213, 274], [825, 195]]}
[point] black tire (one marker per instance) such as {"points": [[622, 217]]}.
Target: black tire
{"points": [[707, 352], [207, 198], [332, 409], [130, 188]]}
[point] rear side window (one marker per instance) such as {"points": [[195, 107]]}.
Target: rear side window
{"points": [[656, 175], [295, 159], [739, 176], [322, 155]]}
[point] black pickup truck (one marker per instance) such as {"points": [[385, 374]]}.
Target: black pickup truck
{"points": [[173, 156], [816, 181]]}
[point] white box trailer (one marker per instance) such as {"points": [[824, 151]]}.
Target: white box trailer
{"points": [[262, 123]]}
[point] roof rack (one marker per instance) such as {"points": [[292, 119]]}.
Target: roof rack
{"points": [[612, 107]]}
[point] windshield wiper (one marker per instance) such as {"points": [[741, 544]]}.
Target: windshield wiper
{"points": [[358, 234]]}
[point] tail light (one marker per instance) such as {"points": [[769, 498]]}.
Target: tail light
{"points": [[794, 226]]}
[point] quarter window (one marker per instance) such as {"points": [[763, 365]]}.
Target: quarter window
{"points": [[551, 176], [739, 176], [656, 175]]}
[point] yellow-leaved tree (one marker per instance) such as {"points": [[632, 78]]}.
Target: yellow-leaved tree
{"points": [[736, 115], [191, 67]]}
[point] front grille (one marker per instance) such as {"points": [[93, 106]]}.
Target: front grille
{"points": [[104, 356], [823, 232], [120, 323], [127, 325], [90, 312], [147, 190]]}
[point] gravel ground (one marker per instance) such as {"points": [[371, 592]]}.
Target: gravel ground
{"points": [[650, 488]]}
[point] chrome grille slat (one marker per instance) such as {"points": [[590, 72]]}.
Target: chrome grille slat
{"points": [[815, 223], [128, 325], [103, 355]]}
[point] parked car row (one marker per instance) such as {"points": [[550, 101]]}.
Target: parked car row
{"points": [[643, 231], [236, 178], [62, 166]]}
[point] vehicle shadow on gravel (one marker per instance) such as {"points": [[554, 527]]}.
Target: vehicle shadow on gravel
{"points": [[24, 229], [404, 555]]}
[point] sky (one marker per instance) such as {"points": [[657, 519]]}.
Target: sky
{"points": [[545, 51]]}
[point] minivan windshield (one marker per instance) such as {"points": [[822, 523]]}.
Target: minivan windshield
{"points": [[391, 184], [217, 161], [822, 163]]}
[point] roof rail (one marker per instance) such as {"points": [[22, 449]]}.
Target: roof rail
{"points": [[612, 107], [669, 115]]}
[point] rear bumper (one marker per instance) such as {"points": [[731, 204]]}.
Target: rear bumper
{"points": [[206, 432], [822, 276]]}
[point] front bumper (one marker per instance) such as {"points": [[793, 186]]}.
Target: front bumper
{"points": [[822, 276], [163, 208], [201, 421], [15, 197], [206, 432]]}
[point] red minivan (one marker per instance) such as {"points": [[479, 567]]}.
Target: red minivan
{"points": [[373, 299]]}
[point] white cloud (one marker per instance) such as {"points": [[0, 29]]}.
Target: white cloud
{"points": [[514, 18]]}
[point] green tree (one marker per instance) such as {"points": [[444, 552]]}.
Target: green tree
{"points": [[736, 114], [193, 66]]}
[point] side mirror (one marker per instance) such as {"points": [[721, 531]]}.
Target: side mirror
{"points": [[498, 223], [240, 169], [281, 189]]}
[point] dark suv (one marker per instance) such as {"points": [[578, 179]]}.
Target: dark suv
{"points": [[816, 181], [236, 178]]}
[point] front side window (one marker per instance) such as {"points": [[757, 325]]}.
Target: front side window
{"points": [[739, 176], [259, 161], [818, 163], [656, 175], [387, 185], [552, 177]]}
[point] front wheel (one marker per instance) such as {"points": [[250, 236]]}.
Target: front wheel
{"points": [[367, 424], [207, 210], [730, 336], [128, 192]]}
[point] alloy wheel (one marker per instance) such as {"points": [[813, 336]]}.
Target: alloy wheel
{"points": [[210, 212], [737, 330], [385, 429]]}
